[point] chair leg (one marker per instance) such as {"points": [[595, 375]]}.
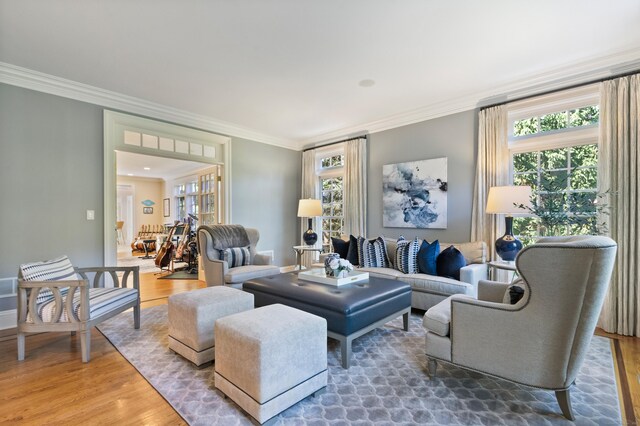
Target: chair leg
{"points": [[432, 366], [85, 345], [136, 317], [21, 346], [564, 401]]}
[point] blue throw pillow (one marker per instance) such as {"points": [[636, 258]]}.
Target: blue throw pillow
{"points": [[449, 262], [427, 256], [340, 246], [352, 252]]}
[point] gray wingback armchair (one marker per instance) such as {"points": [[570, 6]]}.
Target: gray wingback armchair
{"points": [[214, 239], [540, 341]]}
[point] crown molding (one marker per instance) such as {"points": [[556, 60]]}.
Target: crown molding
{"points": [[41, 82], [565, 76]]}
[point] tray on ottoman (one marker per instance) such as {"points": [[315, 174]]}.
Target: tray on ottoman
{"points": [[319, 275], [351, 310]]}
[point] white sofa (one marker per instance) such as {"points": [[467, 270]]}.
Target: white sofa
{"points": [[429, 290]]}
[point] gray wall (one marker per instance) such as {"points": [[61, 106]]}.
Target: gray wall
{"points": [[452, 136], [50, 174], [265, 187]]}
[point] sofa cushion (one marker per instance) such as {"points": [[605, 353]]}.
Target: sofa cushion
{"points": [[473, 252], [406, 255], [449, 262], [427, 256], [373, 253], [437, 319], [248, 272], [434, 284], [382, 272]]}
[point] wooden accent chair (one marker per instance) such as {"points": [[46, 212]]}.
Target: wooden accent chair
{"points": [[55, 296]]}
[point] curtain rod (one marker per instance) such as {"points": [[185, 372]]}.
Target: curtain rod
{"points": [[573, 86], [335, 143]]}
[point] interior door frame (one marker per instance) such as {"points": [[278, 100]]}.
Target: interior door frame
{"points": [[114, 125]]}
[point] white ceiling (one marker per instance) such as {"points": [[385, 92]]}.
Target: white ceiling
{"points": [[131, 164], [290, 69]]}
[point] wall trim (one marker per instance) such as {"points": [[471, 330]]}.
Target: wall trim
{"points": [[8, 319], [564, 76], [41, 82]]}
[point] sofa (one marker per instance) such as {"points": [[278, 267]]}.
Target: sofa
{"points": [[429, 290]]}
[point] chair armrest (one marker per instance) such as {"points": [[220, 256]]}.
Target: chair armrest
{"points": [[473, 273], [113, 273], [27, 300], [214, 271], [492, 291], [262, 259]]}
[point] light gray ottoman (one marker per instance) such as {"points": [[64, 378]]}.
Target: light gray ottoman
{"points": [[192, 316], [270, 358]]}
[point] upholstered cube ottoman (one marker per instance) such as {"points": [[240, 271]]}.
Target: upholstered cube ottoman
{"points": [[270, 358], [192, 316]]}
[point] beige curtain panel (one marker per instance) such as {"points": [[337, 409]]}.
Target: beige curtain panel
{"points": [[618, 173], [492, 169], [355, 187]]}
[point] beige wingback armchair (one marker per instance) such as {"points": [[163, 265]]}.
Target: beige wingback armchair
{"points": [[213, 240], [540, 341]]}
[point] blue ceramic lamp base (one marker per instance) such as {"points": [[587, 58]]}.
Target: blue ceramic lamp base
{"points": [[309, 237], [508, 246]]}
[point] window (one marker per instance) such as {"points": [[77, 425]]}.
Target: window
{"points": [[556, 153], [186, 199], [330, 169]]}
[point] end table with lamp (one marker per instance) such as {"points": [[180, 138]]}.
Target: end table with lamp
{"points": [[300, 251]]}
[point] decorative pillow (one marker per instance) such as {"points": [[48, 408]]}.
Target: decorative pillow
{"points": [[406, 255], [449, 262], [427, 256], [236, 256], [514, 293], [372, 254], [352, 253], [340, 246], [59, 269]]}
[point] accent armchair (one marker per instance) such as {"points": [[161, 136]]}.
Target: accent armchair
{"points": [[55, 296], [540, 341], [228, 255]]}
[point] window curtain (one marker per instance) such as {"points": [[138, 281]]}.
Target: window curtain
{"points": [[309, 190], [355, 187], [618, 172], [492, 169]]}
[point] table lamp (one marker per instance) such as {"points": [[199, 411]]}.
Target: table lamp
{"points": [[507, 200], [309, 208]]}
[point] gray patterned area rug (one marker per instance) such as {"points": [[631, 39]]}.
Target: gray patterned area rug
{"points": [[387, 384]]}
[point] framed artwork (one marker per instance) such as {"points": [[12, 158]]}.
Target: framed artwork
{"points": [[165, 208], [414, 194], [147, 210]]}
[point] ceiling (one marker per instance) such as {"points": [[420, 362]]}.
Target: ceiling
{"points": [[293, 70], [133, 165]]}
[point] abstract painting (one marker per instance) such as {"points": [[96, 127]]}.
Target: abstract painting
{"points": [[414, 194]]}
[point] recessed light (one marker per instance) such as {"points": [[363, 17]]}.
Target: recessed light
{"points": [[147, 168], [129, 174], [366, 83]]}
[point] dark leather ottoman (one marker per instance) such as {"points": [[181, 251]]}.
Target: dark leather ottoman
{"points": [[351, 310]]}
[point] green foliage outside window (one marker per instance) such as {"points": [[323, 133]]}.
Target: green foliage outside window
{"points": [[565, 199], [332, 209], [333, 161], [585, 116]]}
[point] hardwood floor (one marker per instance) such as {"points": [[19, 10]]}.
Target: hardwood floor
{"points": [[53, 386]]}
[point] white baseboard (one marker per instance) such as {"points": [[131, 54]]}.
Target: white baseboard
{"points": [[8, 319]]}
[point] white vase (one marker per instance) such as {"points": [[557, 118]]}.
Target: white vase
{"points": [[343, 274]]}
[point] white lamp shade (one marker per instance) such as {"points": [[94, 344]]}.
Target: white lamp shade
{"points": [[505, 199], [309, 208]]}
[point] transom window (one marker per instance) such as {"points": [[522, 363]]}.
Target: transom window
{"points": [[585, 116], [332, 161]]}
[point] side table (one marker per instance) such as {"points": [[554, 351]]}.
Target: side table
{"points": [[300, 251], [505, 265]]}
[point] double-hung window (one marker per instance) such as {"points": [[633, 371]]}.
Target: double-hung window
{"points": [[330, 171], [553, 146]]}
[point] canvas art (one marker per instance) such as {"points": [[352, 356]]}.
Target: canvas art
{"points": [[414, 194]]}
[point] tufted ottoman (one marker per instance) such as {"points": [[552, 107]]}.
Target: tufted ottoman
{"points": [[192, 316], [270, 358]]}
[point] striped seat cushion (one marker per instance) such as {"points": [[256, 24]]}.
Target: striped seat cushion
{"points": [[101, 301], [59, 269], [236, 256]]}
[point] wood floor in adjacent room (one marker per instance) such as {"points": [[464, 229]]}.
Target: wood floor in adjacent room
{"points": [[53, 386]]}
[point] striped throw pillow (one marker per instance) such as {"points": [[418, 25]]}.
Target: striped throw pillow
{"points": [[407, 256], [373, 253], [236, 256], [59, 269]]}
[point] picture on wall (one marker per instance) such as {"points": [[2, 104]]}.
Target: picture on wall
{"points": [[414, 194], [147, 210]]}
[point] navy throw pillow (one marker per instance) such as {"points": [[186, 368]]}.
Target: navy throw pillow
{"points": [[340, 246], [427, 256], [449, 262], [352, 252]]}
